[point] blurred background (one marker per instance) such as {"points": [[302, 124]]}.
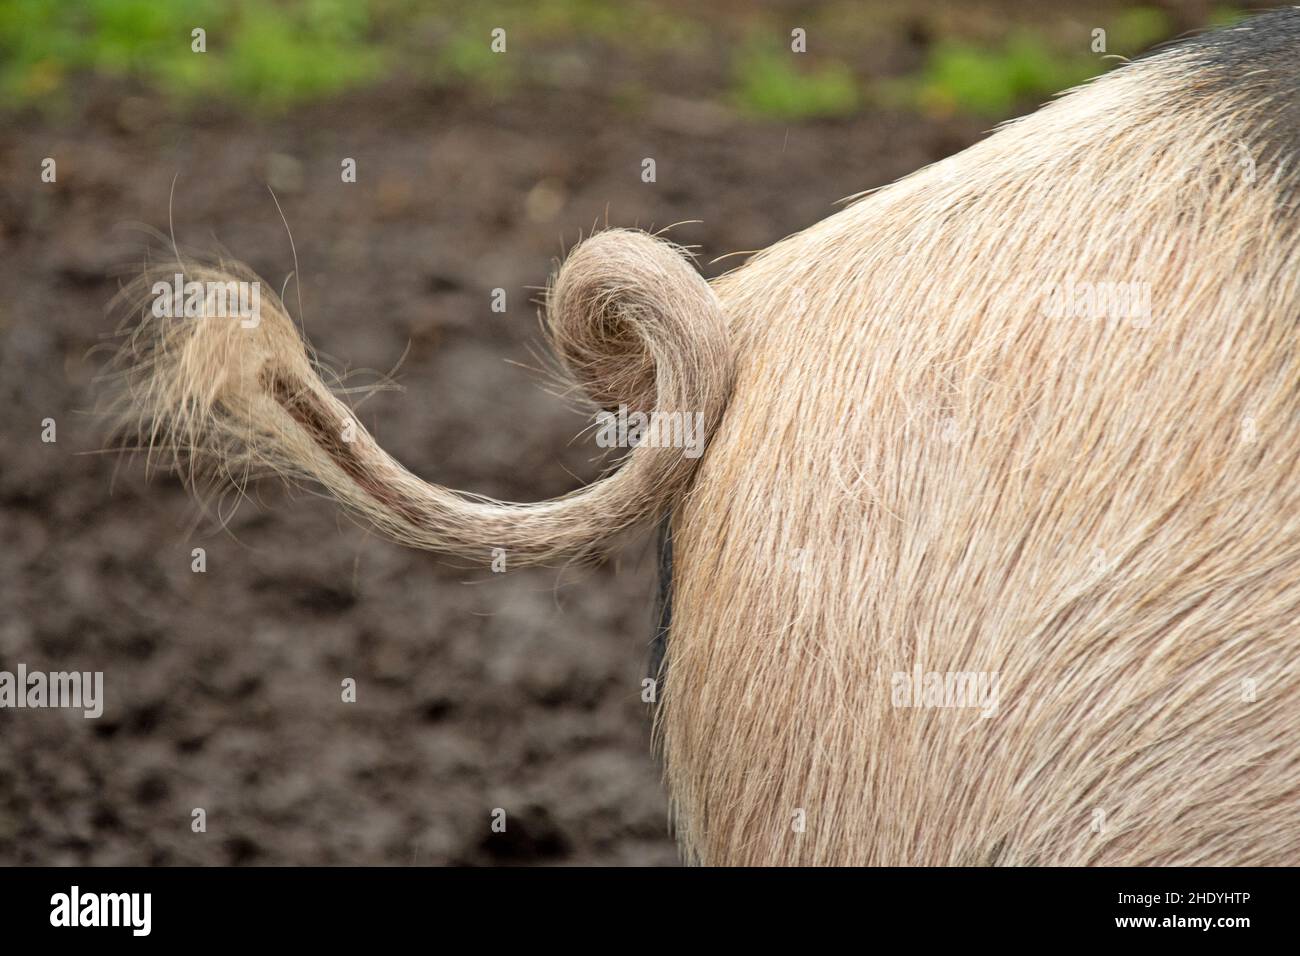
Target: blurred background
{"points": [[475, 170]]}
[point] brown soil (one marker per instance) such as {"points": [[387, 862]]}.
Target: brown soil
{"points": [[476, 690]]}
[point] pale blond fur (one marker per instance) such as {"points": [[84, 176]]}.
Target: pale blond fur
{"points": [[1105, 513], [921, 468]]}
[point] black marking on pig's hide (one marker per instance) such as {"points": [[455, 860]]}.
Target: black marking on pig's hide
{"points": [[663, 608]]}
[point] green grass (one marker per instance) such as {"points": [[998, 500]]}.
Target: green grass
{"points": [[271, 54], [1226, 16], [268, 56], [991, 81], [767, 83]]}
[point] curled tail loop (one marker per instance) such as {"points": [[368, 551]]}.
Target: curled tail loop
{"points": [[631, 320]]}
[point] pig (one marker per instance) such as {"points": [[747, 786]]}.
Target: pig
{"points": [[992, 555]]}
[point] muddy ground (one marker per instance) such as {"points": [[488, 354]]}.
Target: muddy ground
{"points": [[476, 690]]}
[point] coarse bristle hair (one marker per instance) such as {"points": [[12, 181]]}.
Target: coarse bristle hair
{"points": [[924, 469]]}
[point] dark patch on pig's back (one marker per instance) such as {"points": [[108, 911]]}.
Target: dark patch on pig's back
{"points": [[663, 609]]}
